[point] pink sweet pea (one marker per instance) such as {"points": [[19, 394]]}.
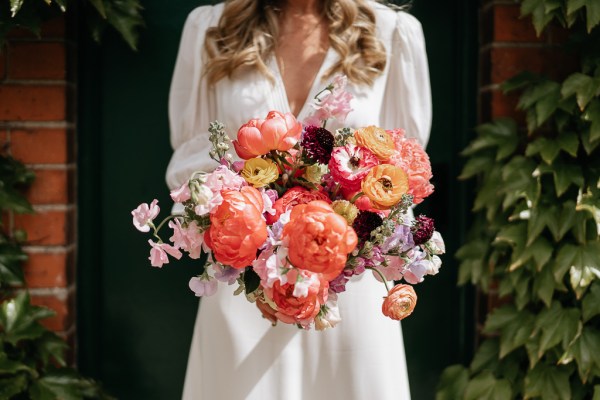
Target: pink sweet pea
{"points": [[144, 214], [181, 194], [188, 239], [334, 103], [159, 251], [277, 132], [203, 287]]}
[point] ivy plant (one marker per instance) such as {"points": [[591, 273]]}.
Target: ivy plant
{"points": [[535, 238], [122, 15], [32, 358]]}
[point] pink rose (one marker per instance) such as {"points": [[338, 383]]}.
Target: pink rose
{"points": [[277, 132], [400, 302], [412, 158], [237, 228], [319, 239], [350, 164], [293, 197]]}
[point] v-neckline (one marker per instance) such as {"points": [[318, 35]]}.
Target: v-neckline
{"points": [[280, 86]]}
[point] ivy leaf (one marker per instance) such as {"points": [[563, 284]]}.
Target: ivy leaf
{"points": [[583, 86], [15, 6], [586, 352], [589, 202], [593, 14], [574, 5], [540, 250], [512, 234], [51, 347], [548, 382], [486, 356], [10, 387], [585, 266], [547, 105], [557, 325], [592, 114], [486, 387], [475, 166], [547, 148], [586, 141], [11, 257], [19, 319], [99, 6], [540, 218], [565, 175], [569, 142], [11, 367], [453, 382], [538, 14], [590, 305], [564, 260], [501, 133], [515, 327], [544, 285], [596, 392]]}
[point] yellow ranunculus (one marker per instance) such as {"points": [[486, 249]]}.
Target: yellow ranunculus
{"points": [[259, 173], [346, 209], [377, 140], [384, 185]]}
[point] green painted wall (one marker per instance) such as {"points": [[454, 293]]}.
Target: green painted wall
{"points": [[135, 322]]}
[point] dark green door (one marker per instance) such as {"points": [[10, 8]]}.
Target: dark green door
{"points": [[135, 322]]}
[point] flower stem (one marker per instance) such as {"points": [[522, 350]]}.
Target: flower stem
{"points": [[158, 228], [381, 276]]}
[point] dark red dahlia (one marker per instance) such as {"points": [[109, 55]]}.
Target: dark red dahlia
{"points": [[318, 143], [422, 229], [365, 223]]}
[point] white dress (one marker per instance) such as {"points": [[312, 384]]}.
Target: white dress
{"points": [[235, 353]]}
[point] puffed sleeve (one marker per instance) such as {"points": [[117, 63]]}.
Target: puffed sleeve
{"points": [[407, 99], [190, 101]]}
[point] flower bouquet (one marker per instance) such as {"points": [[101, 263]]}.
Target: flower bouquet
{"points": [[305, 211]]}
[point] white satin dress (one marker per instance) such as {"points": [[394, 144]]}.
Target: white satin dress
{"points": [[235, 353]]}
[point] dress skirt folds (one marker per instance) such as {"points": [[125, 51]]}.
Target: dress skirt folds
{"points": [[235, 353]]}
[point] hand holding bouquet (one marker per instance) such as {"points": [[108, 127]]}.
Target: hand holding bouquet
{"points": [[305, 211]]}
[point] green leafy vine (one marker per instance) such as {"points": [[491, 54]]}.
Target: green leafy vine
{"points": [[536, 234]]}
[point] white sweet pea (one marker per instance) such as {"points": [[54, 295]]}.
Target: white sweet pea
{"points": [[329, 316], [436, 243]]}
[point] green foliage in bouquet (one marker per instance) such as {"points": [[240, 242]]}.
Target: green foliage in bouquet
{"points": [[537, 230], [32, 358], [122, 15]]}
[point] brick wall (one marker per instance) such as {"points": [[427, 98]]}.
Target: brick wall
{"points": [[37, 90]]}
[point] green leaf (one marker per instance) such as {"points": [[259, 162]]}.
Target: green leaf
{"points": [[20, 319], [538, 13], [486, 356], [547, 105], [589, 202], [547, 148], [593, 14], [99, 6], [251, 280], [566, 175], [15, 6], [592, 114], [540, 218], [515, 327], [584, 88], [10, 387], [11, 367], [548, 382], [585, 350], [486, 387], [569, 142], [452, 384], [574, 5], [475, 166], [512, 234], [51, 347], [557, 325], [544, 285], [590, 306], [540, 250], [596, 392], [124, 16], [585, 266], [62, 4]]}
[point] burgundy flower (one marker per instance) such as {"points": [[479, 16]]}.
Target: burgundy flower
{"points": [[318, 143], [422, 229], [365, 223]]}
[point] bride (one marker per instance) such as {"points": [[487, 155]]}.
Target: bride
{"points": [[238, 60]]}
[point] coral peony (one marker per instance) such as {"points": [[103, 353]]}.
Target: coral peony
{"points": [[238, 228], [350, 164], [400, 302], [298, 310], [319, 239], [377, 140], [276, 132], [294, 196], [412, 158], [384, 185]]}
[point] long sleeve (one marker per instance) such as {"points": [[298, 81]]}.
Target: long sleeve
{"points": [[190, 101], [407, 98]]}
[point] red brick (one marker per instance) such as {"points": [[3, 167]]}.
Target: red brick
{"points": [[2, 63], [46, 228], [37, 60], [506, 62], [41, 146], [51, 186], [510, 27], [47, 270], [63, 308], [54, 28], [32, 103]]}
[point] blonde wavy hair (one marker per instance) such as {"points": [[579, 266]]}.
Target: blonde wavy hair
{"points": [[246, 35]]}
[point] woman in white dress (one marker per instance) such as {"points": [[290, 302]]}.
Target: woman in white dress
{"points": [[292, 48]]}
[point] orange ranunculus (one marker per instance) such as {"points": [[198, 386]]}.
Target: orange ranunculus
{"points": [[259, 136], [298, 310], [377, 140], [319, 239], [237, 227], [400, 302], [293, 197], [384, 185]]}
